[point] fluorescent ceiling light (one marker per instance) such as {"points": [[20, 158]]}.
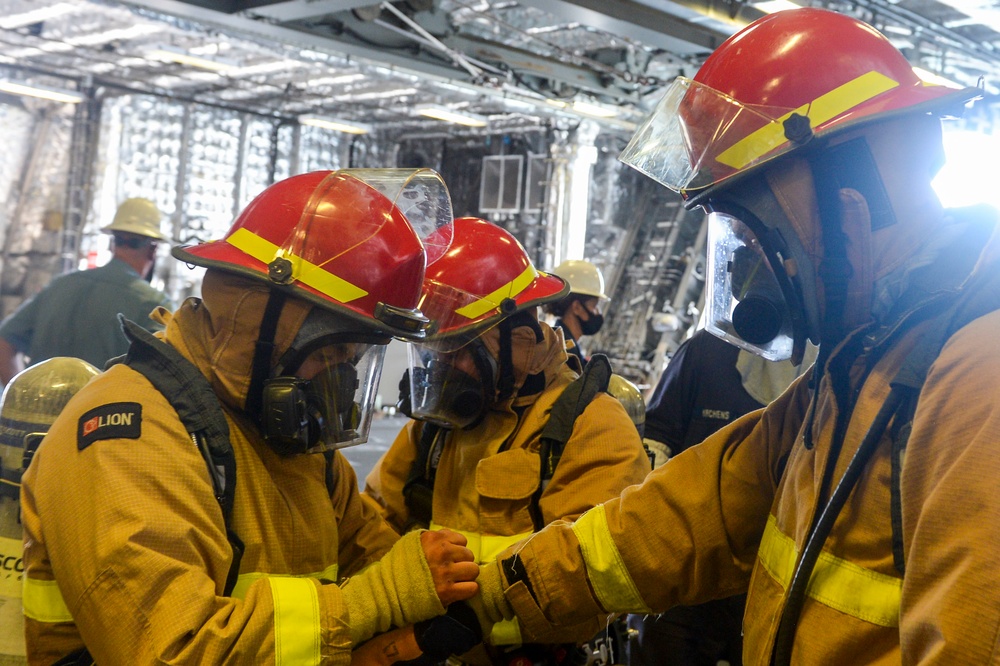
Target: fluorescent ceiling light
{"points": [[335, 80], [335, 125], [772, 6], [376, 94], [181, 57], [35, 15], [52, 94], [584, 108], [268, 67], [124, 34], [589, 109], [444, 113]]}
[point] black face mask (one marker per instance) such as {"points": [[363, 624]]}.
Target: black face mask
{"points": [[593, 323]]}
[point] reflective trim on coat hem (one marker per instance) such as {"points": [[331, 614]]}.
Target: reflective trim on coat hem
{"points": [[44, 602], [835, 582], [245, 580], [485, 548], [297, 627]]}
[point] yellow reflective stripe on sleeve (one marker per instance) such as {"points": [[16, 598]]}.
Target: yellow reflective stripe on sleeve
{"points": [[245, 580], [304, 271], [493, 300], [297, 627], [820, 110], [43, 601], [612, 583], [835, 582], [486, 547]]}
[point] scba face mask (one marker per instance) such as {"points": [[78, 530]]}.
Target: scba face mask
{"points": [[326, 402], [451, 388], [745, 303]]}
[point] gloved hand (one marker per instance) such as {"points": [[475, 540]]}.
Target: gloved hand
{"points": [[413, 581], [426, 643], [455, 632], [661, 452]]}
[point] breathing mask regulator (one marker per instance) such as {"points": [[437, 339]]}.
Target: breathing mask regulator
{"points": [[747, 305], [454, 388], [451, 389], [321, 392], [297, 412]]}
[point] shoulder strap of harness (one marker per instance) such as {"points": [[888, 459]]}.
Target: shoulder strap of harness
{"points": [[418, 490], [559, 427], [190, 394]]}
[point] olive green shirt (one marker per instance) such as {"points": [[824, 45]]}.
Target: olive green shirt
{"points": [[77, 314]]}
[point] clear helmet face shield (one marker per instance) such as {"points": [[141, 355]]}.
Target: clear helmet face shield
{"points": [[449, 388], [325, 402], [744, 302], [451, 375], [697, 136], [422, 197]]}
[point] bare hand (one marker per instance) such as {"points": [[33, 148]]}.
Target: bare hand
{"points": [[453, 566]]}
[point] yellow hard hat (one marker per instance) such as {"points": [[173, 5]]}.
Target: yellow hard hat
{"points": [[631, 398], [584, 278], [137, 216], [34, 397]]}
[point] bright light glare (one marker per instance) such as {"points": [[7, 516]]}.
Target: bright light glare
{"points": [[772, 6], [969, 175]]}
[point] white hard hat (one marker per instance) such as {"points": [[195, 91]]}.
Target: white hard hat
{"points": [[583, 277], [137, 216]]}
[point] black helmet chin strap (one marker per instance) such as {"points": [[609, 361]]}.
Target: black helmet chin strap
{"points": [[505, 385], [506, 360], [263, 352]]}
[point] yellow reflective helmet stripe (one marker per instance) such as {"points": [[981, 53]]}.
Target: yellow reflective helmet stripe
{"points": [[304, 271], [823, 108], [612, 583], [485, 548], [492, 300], [835, 582], [297, 627], [43, 601]]}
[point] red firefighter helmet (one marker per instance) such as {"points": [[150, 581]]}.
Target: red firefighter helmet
{"points": [[349, 241], [483, 278], [751, 100]]}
